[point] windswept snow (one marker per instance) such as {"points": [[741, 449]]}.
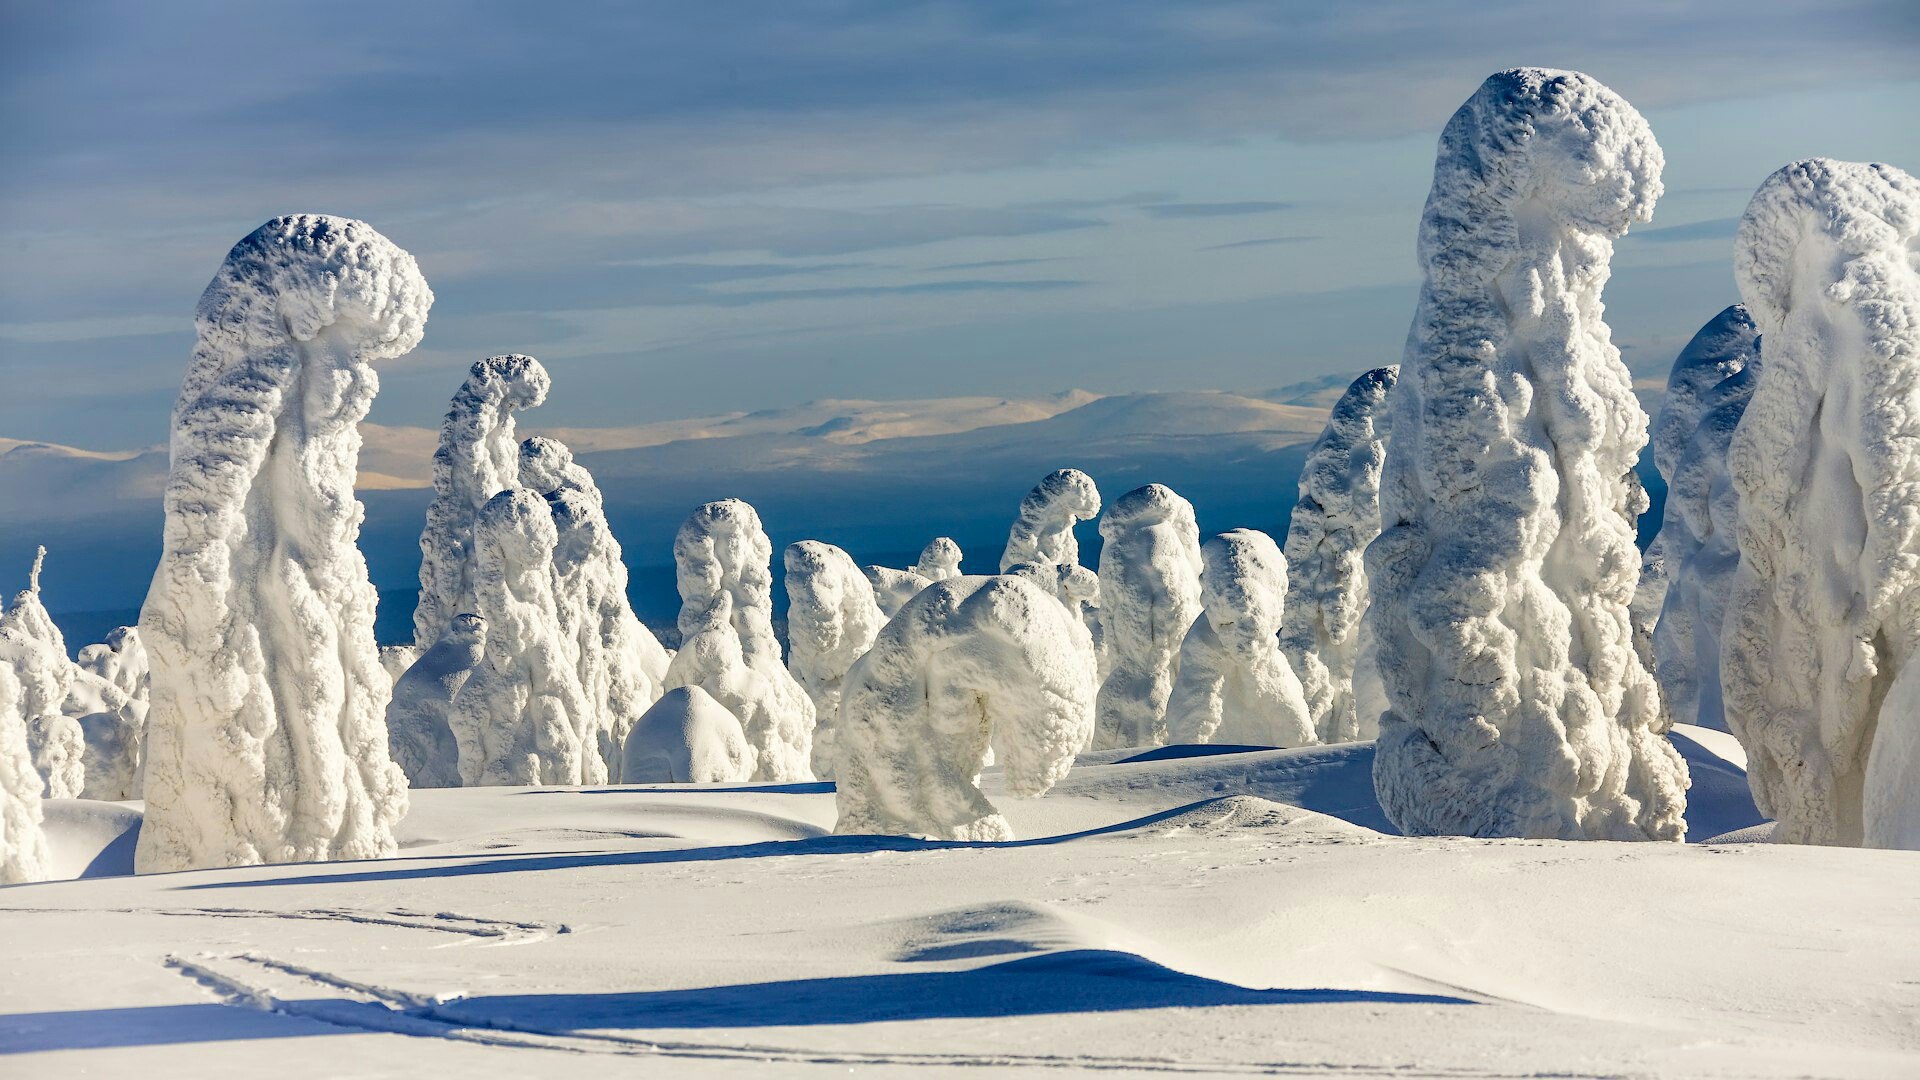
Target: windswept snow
{"points": [[831, 622], [687, 738], [33, 646], [1149, 596], [1234, 683], [23, 845], [1503, 574], [1819, 644]]}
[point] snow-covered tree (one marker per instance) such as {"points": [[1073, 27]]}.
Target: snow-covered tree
{"points": [[266, 736], [1149, 597], [478, 457], [109, 700], [1336, 517], [1503, 574], [1818, 663], [939, 560], [687, 738], [622, 665], [420, 720], [1234, 683], [724, 563], [1689, 567], [33, 646], [1042, 535], [970, 664], [892, 588], [521, 716], [23, 844], [831, 620]]}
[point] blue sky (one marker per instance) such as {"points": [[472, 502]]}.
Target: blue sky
{"points": [[694, 208]]}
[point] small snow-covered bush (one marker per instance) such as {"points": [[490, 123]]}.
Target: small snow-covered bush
{"points": [[1149, 597], [1234, 683], [687, 738], [831, 621], [939, 560]]}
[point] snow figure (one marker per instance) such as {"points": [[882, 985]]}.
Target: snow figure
{"points": [[266, 736], [1693, 558], [622, 664], [1234, 683], [687, 738], [23, 845], [477, 459], [521, 716], [1503, 573], [1822, 625], [971, 664], [1149, 597], [724, 563], [939, 560], [1336, 517], [420, 720], [831, 620], [33, 646], [1042, 534], [109, 701]]}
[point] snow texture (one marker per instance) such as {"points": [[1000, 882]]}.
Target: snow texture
{"points": [[832, 618], [396, 659], [892, 588], [971, 664], [420, 719], [1693, 558], [23, 845], [621, 663], [1503, 574], [478, 457], [687, 738], [1149, 597], [1824, 617], [521, 716], [266, 737], [1336, 517], [724, 563], [1234, 683], [109, 699], [33, 646]]}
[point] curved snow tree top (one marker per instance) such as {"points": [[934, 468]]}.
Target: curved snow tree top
{"points": [[1234, 683], [832, 618], [970, 664], [1824, 618], [1336, 517], [266, 740], [1149, 597], [23, 844], [723, 560], [121, 660], [939, 560], [478, 457], [32, 644], [1503, 573], [1043, 532]]}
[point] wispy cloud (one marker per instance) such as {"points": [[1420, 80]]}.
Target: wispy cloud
{"points": [[1213, 209], [917, 288], [1264, 241], [117, 326], [1712, 229], [989, 264]]}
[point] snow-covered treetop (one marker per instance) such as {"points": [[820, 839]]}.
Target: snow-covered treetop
{"points": [[1043, 532], [1859, 209], [1145, 507], [547, 465], [939, 560], [1243, 579], [1722, 348], [724, 559], [1337, 515]]}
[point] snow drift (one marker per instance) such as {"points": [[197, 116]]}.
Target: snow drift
{"points": [[1234, 683], [687, 738], [1149, 596], [831, 622]]}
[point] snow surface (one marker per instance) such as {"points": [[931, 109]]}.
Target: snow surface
{"points": [[1149, 596], [266, 735], [1503, 574], [1234, 683], [687, 738], [32, 645], [832, 618], [1822, 620], [971, 664], [1336, 517]]}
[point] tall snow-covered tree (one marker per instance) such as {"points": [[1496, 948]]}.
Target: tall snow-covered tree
{"points": [[1234, 683], [33, 646], [832, 618], [23, 844], [1149, 596]]}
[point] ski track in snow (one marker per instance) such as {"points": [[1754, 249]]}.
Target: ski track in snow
{"points": [[496, 931]]}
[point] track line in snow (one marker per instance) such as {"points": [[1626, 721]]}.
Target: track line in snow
{"points": [[497, 931]]}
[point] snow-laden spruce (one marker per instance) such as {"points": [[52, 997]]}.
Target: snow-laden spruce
{"points": [[687, 738], [892, 588], [32, 645], [1149, 597], [1234, 683], [831, 621], [23, 844], [420, 719], [1818, 663], [622, 665], [1336, 517], [1688, 569], [1506, 564], [109, 700], [1042, 535], [724, 563], [478, 457], [971, 664], [266, 735], [521, 717]]}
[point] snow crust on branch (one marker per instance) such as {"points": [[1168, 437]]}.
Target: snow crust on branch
{"points": [[1824, 617], [478, 457], [687, 738], [23, 844], [1234, 683], [1336, 517], [420, 719], [109, 700], [266, 738], [1504, 572], [724, 562], [33, 646], [971, 664], [1149, 597], [832, 618]]}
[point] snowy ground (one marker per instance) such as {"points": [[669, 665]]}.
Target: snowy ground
{"points": [[1172, 914]]}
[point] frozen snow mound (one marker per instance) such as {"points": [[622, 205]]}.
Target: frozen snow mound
{"points": [[724, 563], [1234, 683], [687, 738], [1506, 563], [419, 720], [1818, 652], [1336, 517], [832, 618], [1149, 597], [1697, 551], [23, 845], [266, 733], [37, 652], [971, 664], [478, 457]]}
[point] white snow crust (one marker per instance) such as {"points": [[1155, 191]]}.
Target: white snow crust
{"points": [[892, 588], [1149, 597], [687, 738], [832, 618], [1234, 683]]}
